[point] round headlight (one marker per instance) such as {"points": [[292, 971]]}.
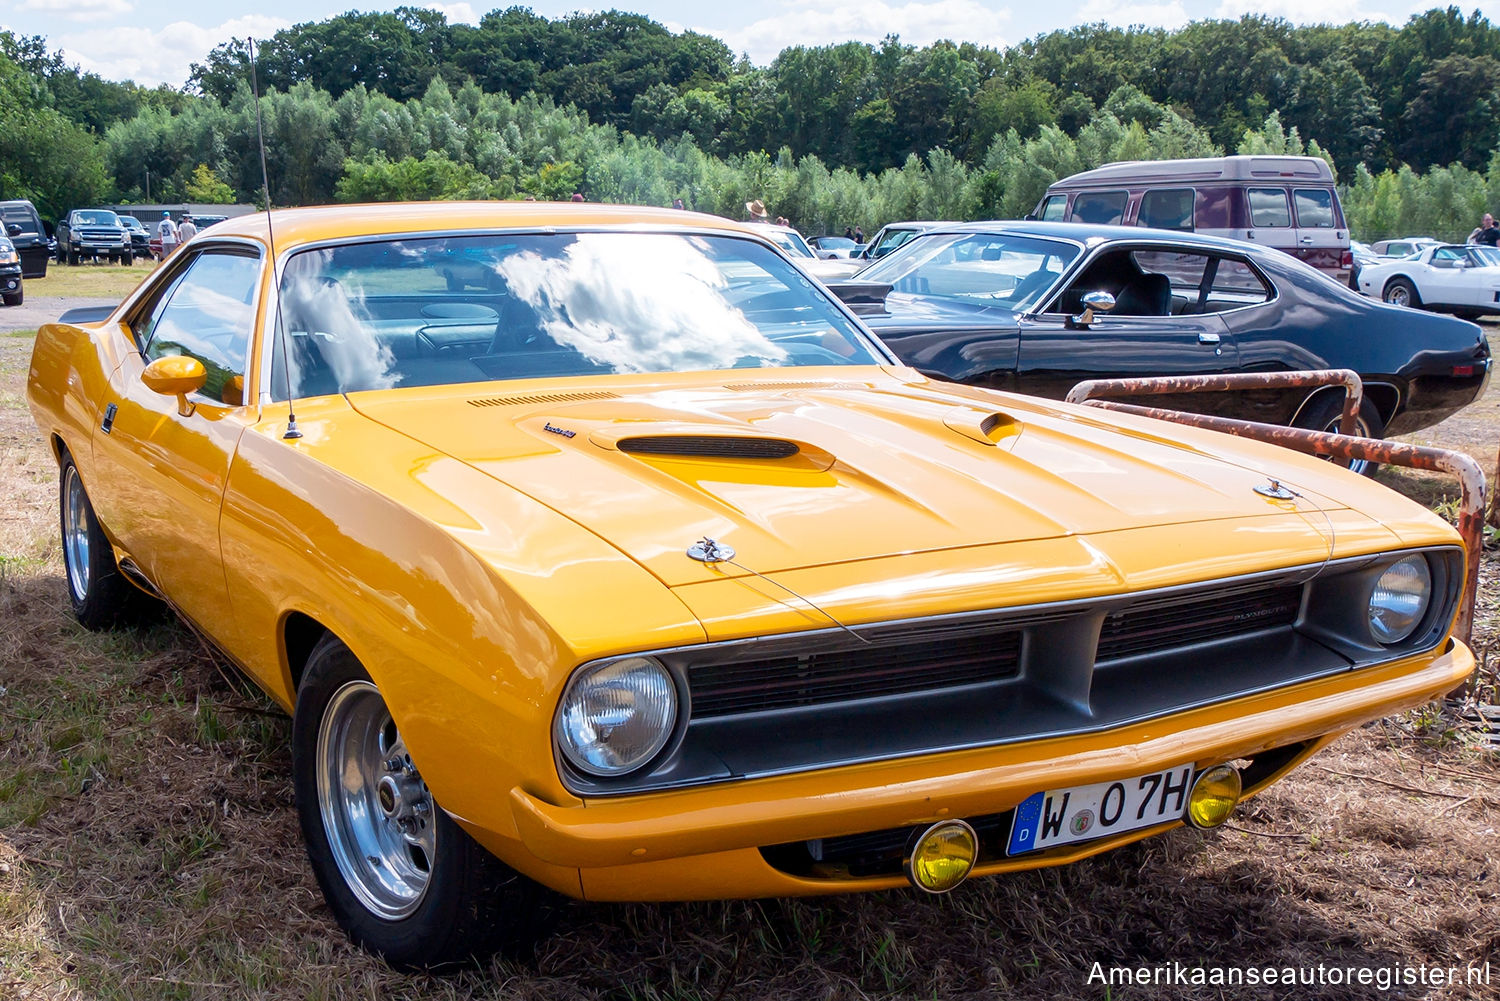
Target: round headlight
{"points": [[1399, 599], [614, 717]]}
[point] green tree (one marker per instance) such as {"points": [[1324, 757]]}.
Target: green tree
{"points": [[204, 187]]}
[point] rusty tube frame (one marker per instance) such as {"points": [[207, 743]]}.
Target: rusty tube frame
{"points": [[1354, 389], [1339, 446]]}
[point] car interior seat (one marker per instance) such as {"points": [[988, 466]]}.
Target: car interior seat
{"points": [[1148, 294]]}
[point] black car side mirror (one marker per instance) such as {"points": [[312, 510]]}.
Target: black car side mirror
{"points": [[1096, 300], [11, 229]]}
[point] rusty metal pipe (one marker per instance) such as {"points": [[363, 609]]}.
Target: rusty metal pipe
{"points": [[1354, 389], [1339, 446]]}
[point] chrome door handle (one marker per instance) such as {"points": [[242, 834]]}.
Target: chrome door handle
{"points": [[1205, 337], [1307, 239]]}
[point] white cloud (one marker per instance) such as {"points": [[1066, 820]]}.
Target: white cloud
{"points": [[79, 10], [456, 13], [1310, 11], [1152, 15], [824, 22], [162, 55]]}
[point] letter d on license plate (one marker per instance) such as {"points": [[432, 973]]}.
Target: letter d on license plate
{"points": [[1082, 813]]}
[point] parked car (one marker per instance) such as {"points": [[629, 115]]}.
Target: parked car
{"points": [[12, 291], [1450, 278], [26, 231], [794, 246], [1404, 247], [831, 247], [1285, 202], [1361, 255], [999, 304], [647, 574], [140, 237], [91, 234], [894, 235]]}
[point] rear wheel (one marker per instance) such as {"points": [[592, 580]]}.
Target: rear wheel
{"points": [[99, 595], [401, 877], [1324, 414], [1401, 292]]}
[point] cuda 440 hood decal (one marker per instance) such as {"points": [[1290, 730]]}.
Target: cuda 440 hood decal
{"points": [[793, 476]]}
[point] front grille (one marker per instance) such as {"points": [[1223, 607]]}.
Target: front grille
{"points": [[816, 679], [710, 446], [1152, 628]]}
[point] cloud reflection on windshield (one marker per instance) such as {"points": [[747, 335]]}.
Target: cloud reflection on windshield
{"points": [[637, 303]]}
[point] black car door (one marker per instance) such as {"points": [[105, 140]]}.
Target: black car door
{"points": [[1165, 322]]}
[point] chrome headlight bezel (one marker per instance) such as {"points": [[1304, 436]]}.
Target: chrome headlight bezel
{"points": [[641, 676]]}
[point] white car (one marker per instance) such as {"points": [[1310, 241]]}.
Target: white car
{"points": [[791, 242], [1446, 277]]}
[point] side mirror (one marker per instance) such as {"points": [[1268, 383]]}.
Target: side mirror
{"points": [[11, 229], [1097, 300], [176, 375]]}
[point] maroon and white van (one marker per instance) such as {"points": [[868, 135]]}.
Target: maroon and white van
{"points": [[1285, 202]]}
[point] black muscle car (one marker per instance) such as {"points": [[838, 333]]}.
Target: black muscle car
{"points": [[1001, 304]]}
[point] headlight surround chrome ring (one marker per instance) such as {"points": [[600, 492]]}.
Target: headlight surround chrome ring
{"points": [[1399, 600], [616, 716]]}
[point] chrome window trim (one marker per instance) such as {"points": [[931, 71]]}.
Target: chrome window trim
{"points": [[1178, 248]]}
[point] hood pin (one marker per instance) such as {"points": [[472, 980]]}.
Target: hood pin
{"points": [[706, 550], [1275, 490]]}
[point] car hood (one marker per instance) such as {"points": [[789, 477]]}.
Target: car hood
{"points": [[906, 311], [883, 466]]}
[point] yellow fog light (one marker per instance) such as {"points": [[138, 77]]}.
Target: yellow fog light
{"points": [[1214, 796], [942, 856]]}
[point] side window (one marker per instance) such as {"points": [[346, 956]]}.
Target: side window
{"points": [[1055, 208], [208, 313], [1100, 208], [1167, 208], [1268, 207], [1314, 208], [1236, 284], [1446, 257]]}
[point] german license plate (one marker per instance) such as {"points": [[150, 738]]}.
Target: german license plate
{"points": [[1082, 813]]}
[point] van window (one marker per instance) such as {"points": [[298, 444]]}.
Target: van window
{"points": [[1167, 208], [1054, 209], [1314, 208], [20, 215], [1268, 207], [1101, 208]]}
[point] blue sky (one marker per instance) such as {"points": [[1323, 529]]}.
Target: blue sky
{"points": [[156, 42]]}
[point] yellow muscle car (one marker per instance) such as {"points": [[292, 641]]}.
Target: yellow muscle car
{"points": [[630, 565]]}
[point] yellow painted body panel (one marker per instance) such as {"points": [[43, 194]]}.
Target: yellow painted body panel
{"points": [[471, 560]]}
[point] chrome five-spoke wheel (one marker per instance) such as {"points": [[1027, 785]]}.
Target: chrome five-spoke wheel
{"points": [[377, 812], [75, 533]]}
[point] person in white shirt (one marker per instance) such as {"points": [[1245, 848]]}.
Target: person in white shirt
{"points": [[166, 232], [185, 229]]}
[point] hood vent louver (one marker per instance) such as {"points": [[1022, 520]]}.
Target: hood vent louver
{"points": [[700, 446], [522, 400]]}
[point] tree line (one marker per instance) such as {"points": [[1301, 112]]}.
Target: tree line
{"points": [[373, 106]]}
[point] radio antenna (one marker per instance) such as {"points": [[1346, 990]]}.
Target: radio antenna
{"points": [[292, 432]]}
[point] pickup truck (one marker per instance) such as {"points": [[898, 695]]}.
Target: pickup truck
{"points": [[93, 233]]}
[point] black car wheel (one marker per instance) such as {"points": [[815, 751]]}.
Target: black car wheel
{"points": [[127, 260], [403, 879], [15, 298], [100, 596], [1401, 292], [1324, 414]]}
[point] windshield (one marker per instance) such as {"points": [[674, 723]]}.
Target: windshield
{"points": [[131, 223], [836, 243], [423, 312], [95, 217], [1485, 257], [1011, 271], [792, 243]]}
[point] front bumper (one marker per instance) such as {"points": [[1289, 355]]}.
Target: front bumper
{"points": [[704, 843]]}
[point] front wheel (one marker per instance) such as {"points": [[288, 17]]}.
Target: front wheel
{"points": [[15, 298], [99, 595], [1324, 414], [1401, 292], [127, 260], [403, 879]]}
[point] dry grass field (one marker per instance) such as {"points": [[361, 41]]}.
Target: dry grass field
{"points": [[149, 849], [94, 279]]}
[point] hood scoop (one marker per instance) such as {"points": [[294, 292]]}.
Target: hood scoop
{"points": [[985, 427], [521, 400], [705, 446]]}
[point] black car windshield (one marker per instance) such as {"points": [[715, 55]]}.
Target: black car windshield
{"points": [[986, 268], [438, 311], [95, 217]]}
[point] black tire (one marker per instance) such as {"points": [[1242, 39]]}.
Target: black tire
{"points": [[127, 260], [100, 596], [1472, 315], [1401, 292], [469, 904], [16, 298], [1324, 413]]}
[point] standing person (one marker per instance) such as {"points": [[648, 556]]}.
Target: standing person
{"points": [[166, 232], [757, 211], [677, 204], [848, 233], [1487, 233], [859, 235], [186, 230]]}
